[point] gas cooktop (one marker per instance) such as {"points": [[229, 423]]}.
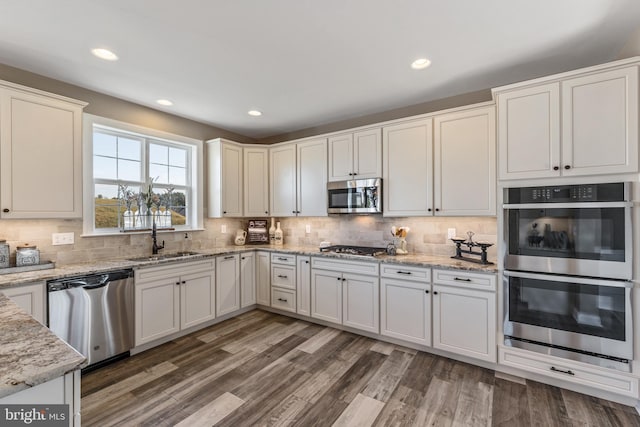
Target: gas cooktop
{"points": [[354, 250]]}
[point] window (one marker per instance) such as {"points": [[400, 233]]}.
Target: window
{"points": [[139, 177]]}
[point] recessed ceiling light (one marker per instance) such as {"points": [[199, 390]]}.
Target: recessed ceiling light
{"points": [[420, 63], [254, 113], [164, 102], [105, 54]]}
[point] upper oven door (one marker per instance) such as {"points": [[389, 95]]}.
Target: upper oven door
{"points": [[583, 239]]}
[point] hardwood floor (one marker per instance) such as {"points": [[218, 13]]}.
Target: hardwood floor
{"points": [[264, 369]]}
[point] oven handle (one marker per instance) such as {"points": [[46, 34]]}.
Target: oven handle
{"points": [[594, 205], [572, 279]]}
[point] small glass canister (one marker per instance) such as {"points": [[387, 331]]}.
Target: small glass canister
{"points": [[27, 255], [4, 254]]}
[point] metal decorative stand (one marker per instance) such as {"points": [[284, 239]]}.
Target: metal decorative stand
{"points": [[459, 241]]}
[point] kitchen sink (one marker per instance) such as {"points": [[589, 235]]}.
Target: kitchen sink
{"points": [[161, 257]]}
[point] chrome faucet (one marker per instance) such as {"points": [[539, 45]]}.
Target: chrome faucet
{"points": [[155, 248]]}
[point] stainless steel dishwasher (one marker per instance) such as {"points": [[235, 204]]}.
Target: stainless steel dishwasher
{"points": [[94, 314]]}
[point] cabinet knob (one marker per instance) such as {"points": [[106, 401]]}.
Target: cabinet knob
{"points": [[350, 174], [293, 211], [426, 292], [177, 283], [266, 212], [297, 212], [437, 209], [5, 210], [555, 168], [183, 282], [224, 212], [306, 262], [435, 292], [429, 210], [567, 166]]}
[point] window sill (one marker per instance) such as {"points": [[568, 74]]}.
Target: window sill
{"points": [[128, 233]]}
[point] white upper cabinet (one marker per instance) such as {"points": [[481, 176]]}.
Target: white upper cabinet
{"points": [[40, 151], [282, 182], [407, 149], [529, 132], [600, 123], [312, 178], [577, 124], [298, 179], [225, 178], [355, 155], [256, 181], [465, 163]]}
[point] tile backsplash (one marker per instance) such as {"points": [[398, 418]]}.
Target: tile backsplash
{"points": [[428, 235]]}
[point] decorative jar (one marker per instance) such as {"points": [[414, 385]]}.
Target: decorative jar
{"points": [[27, 255], [4, 254]]}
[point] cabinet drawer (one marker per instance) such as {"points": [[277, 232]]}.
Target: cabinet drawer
{"points": [[368, 268], [283, 299], [570, 371], [403, 272], [283, 276], [480, 281], [173, 269], [283, 259]]}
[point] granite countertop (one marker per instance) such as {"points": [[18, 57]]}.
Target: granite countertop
{"points": [[31, 354], [419, 260]]}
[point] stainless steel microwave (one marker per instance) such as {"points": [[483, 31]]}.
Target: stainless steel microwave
{"points": [[360, 196]]}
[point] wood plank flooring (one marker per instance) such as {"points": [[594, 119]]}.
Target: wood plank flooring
{"points": [[269, 370]]}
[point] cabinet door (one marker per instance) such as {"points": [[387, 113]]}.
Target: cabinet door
{"points": [[529, 132], [326, 296], [40, 142], [247, 279], [263, 278], [282, 182], [600, 123], [303, 285], [407, 168], [227, 284], [464, 164], [367, 154], [312, 178], [197, 298], [31, 298], [157, 311], [405, 310], [360, 302], [464, 322], [256, 182], [341, 157], [231, 180]]}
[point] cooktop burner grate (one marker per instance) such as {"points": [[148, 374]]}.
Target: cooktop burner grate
{"points": [[354, 250]]}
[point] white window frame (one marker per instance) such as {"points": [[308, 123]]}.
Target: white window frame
{"points": [[195, 211]]}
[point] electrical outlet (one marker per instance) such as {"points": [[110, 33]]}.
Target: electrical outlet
{"points": [[62, 238], [307, 228], [223, 229], [451, 232]]}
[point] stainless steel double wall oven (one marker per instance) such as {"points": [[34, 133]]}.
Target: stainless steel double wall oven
{"points": [[567, 271]]}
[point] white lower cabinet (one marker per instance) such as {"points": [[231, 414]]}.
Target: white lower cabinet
{"points": [[263, 278], [227, 284], [31, 297], [340, 293], [405, 303], [173, 297], [303, 285], [283, 282], [247, 279], [464, 318], [568, 370]]}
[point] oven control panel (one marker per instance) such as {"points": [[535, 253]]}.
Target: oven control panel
{"points": [[611, 192]]}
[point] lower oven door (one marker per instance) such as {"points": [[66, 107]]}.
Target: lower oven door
{"points": [[571, 313]]}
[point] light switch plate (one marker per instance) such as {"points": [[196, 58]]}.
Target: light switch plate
{"points": [[307, 228], [62, 239], [223, 229]]}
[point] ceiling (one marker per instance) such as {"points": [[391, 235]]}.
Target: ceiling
{"points": [[305, 63]]}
